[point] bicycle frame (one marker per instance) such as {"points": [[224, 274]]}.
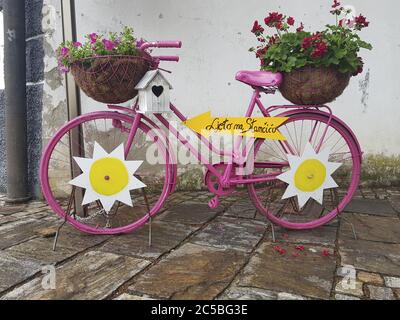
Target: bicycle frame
{"points": [[236, 156]]}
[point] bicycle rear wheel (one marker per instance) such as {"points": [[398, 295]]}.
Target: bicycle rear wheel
{"points": [[271, 158], [77, 139]]}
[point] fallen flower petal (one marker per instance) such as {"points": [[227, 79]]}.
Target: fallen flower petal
{"points": [[280, 250], [326, 253]]}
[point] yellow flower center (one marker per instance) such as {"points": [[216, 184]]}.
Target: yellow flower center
{"points": [[108, 176], [310, 175]]}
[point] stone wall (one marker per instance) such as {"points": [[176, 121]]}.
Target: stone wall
{"points": [[34, 92]]}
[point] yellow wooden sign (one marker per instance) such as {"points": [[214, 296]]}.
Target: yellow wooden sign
{"points": [[257, 127]]}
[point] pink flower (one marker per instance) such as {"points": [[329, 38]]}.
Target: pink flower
{"points": [[335, 4], [300, 248], [93, 38], [77, 44], [109, 45], [63, 69], [347, 23], [64, 51]]}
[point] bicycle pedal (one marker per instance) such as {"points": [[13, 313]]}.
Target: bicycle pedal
{"points": [[214, 202]]}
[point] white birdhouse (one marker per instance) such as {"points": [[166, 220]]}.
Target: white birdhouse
{"points": [[154, 93]]}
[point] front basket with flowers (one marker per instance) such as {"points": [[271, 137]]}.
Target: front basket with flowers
{"points": [[106, 69], [316, 67]]}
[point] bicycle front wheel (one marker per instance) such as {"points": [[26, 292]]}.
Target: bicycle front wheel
{"points": [[271, 159], [77, 139]]}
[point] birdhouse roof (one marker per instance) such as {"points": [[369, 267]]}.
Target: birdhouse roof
{"points": [[148, 78]]}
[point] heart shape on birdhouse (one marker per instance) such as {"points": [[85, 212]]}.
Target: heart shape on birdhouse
{"points": [[157, 90]]}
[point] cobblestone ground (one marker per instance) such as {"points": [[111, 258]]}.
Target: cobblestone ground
{"points": [[198, 253]]}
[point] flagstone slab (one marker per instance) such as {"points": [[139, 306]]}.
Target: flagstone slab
{"points": [[307, 275], [165, 236], [15, 270], [243, 293], [126, 296], [371, 206], [21, 261], [395, 202], [190, 272], [7, 210], [18, 231], [190, 213], [72, 238], [325, 236], [244, 209], [372, 228], [380, 293], [40, 251], [231, 233], [370, 256], [94, 275]]}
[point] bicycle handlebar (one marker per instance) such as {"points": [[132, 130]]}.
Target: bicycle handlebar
{"points": [[167, 58], [161, 44]]}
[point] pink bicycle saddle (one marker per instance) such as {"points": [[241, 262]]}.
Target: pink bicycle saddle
{"points": [[259, 78]]}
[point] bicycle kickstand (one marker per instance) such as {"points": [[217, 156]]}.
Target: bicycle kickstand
{"points": [[57, 234], [273, 232], [353, 230], [70, 200]]}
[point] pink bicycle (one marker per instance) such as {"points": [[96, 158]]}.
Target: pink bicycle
{"points": [[306, 125]]}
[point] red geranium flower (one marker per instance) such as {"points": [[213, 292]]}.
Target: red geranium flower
{"points": [[300, 28], [257, 28], [290, 21], [335, 4], [300, 248], [316, 42], [307, 42], [273, 18], [320, 50], [361, 22], [261, 51], [273, 39]]}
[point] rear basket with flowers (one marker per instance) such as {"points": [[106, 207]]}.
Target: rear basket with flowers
{"points": [[316, 67], [106, 69]]}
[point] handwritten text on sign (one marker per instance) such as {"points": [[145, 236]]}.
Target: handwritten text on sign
{"points": [[257, 127]]}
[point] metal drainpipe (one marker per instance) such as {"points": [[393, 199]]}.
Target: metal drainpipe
{"points": [[15, 93]]}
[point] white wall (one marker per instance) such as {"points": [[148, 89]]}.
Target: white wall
{"points": [[216, 37]]}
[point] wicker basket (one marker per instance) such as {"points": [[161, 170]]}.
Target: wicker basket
{"points": [[110, 79], [313, 85]]}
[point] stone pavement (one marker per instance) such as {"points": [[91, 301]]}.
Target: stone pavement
{"points": [[198, 253]]}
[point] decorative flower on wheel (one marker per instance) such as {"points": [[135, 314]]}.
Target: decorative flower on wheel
{"points": [[309, 175], [107, 177]]}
